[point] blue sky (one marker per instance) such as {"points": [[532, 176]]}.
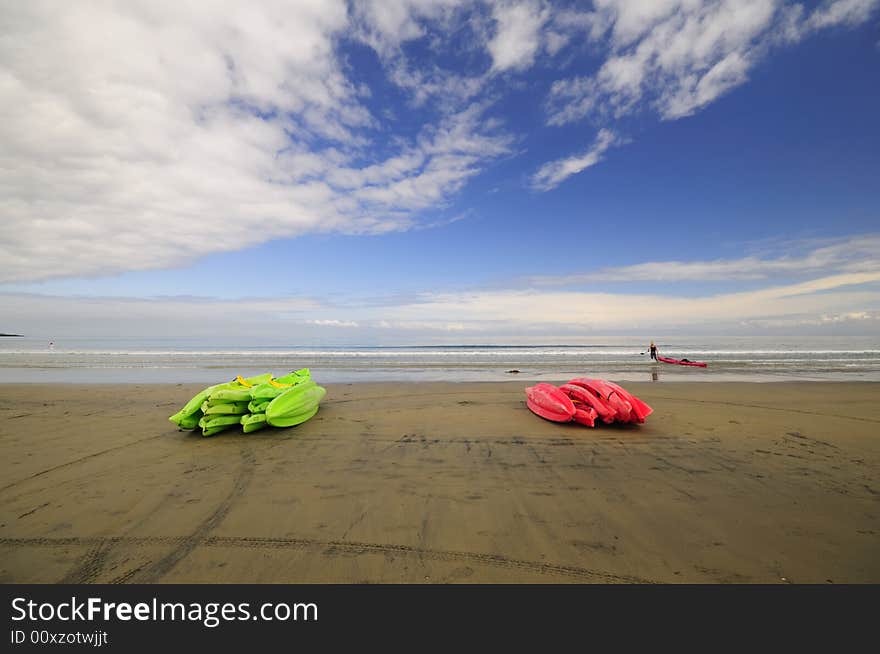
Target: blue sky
{"points": [[430, 170]]}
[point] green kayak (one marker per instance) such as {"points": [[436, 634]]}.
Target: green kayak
{"points": [[215, 424], [272, 388], [296, 405], [237, 408], [253, 422], [258, 406]]}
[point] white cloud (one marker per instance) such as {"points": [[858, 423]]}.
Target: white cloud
{"points": [[617, 311], [141, 135], [386, 24], [451, 153], [727, 73], [332, 323], [518, 34], [841, 12], [448, 90], [853, 255], [676, 56], [555, 41], [823, 320], [553, 173], [422, 326]]}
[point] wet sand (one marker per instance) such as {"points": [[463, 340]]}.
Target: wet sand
{"points": [[438, 483]]}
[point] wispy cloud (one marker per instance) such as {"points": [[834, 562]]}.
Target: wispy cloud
{"points": [[674, 57], [332, 323], [860, 254], [388, 25], [840, 12], [834, 294], [824, 320], [424, 326], [553, 173], [677, 56]]}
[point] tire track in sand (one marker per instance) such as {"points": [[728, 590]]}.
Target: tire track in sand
{"points": [[331, 548], [163, 566], [79, 460], [93, 563]]}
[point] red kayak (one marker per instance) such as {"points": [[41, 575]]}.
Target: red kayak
{"points": [[640, 410], [551, 403], [698, 364]]}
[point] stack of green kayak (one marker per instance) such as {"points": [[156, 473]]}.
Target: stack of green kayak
{"points": [[252, 403]]}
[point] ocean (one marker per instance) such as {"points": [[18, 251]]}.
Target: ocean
{"points": [[28, 360]]}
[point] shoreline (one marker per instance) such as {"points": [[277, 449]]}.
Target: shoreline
{"points": [[519, 381], [208, 377], [449, 482]]}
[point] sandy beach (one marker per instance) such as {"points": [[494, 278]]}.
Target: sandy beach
{"points": [[443, 482]]}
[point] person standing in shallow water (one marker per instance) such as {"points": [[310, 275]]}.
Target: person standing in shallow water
{"points": [[653, 349]]}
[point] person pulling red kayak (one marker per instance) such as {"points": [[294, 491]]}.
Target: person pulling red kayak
{"points": [[682, 362]]}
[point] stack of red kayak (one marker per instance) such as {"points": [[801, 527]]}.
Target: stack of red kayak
{"points": [[585, 401]]}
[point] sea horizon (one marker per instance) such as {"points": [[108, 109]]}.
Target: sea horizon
{"points": [[130, 360]]}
